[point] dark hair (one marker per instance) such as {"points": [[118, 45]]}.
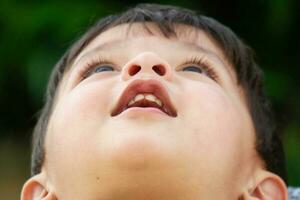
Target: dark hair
{"points": [[239, 55]]}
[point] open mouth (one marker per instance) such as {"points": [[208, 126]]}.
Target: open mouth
{"points": [[143, 94]]}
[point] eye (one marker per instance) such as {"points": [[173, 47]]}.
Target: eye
{"points": [[96, 65], [97, 69], [102, 68], [201, 66], [193, 69]]}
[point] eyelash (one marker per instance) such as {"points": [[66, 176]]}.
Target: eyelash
{"points": [[203, 65], [200, 63], [88, 68]]}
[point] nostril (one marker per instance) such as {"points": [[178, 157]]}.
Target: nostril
{"points": [[134, 69], [159, 69]]}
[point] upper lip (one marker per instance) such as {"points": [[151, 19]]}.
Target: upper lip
{"points": [[139, 86]]}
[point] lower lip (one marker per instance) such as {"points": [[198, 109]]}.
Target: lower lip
{"points": [[143, 110]]}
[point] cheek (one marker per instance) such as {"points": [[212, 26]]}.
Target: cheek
{"points": [[83, 109], [72, 135], [88, 103], [217, 131]]}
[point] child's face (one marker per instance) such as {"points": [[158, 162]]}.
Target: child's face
{"points": [[207, 150]]}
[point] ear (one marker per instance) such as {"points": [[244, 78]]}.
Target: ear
{"points": [[35, 189], [267, 186]]}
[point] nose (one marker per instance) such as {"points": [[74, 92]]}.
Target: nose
{"points": [[146, 65]]}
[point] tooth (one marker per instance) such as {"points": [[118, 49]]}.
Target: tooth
{"points": [[150, 97], [131, 102], [138, 97], [158, 102]]}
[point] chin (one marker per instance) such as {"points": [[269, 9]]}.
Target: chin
{"points": [[138, 151]]}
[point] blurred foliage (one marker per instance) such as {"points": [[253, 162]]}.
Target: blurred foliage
{"points": [[34, 34]]}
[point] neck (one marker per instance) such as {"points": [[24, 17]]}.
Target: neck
{"points": [[150, 187]]}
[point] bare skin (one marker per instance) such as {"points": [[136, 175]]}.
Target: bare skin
{"points": [[206, 152]]}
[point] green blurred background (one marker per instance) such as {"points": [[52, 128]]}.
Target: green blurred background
{"points": [[35, 34]]}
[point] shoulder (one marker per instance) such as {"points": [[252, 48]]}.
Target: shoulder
{"points": [[294, 193]]}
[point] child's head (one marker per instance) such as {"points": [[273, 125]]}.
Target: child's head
{"points": [[212, 137]]}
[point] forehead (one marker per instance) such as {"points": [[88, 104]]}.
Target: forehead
{"points": [[186, 37]]}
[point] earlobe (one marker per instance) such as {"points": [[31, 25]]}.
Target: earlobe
{"points": [[267, 187], [35, 189]]}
